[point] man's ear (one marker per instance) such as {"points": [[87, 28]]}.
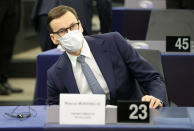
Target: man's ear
{"points": [[55, 41], [80, 26]]}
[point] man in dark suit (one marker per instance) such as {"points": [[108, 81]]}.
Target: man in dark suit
{"points": [[114, 64], [9, 25], [104, 8]]}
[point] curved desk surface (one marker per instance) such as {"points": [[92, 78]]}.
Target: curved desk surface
{"points": [[166, 119]]}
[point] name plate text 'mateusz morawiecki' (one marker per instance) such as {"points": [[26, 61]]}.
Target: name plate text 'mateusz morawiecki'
{"points": [[82, 109]]}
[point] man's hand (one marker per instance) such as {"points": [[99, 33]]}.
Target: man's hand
{"points": [[154, 102]]}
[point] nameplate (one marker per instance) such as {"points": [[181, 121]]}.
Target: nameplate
{"points": [[52, 114], [178, 44], [82, 109], [133, 112]]}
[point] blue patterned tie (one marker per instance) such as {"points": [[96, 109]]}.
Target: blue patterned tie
{"points": [[92, 81]]}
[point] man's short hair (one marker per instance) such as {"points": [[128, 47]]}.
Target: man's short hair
{"points": [[58, 12]]}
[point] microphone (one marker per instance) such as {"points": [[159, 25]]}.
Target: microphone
{"points": [[20, 115]]}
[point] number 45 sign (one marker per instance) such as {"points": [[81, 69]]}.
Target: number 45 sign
{"points": [[134, 112], [178, 43]]}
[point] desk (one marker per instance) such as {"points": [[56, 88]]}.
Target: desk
{"points": [[178, 71], [166, 119], [151, 4], [31, 124]]}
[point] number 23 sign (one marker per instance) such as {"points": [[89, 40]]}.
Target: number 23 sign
{"points": [[135, 112]]}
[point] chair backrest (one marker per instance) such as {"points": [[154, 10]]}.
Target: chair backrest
{"points": [[154, 57], [171, 22]]}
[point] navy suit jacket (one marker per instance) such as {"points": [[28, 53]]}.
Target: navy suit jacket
{"points": [[120, 65]]}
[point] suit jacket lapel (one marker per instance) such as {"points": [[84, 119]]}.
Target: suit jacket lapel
{"points": [[101, 55], [67, 75]]}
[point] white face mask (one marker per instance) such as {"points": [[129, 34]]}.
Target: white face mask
{"points": [[72, 41]]}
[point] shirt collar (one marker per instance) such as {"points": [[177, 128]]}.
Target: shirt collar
{"points": [[85, 52]]}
